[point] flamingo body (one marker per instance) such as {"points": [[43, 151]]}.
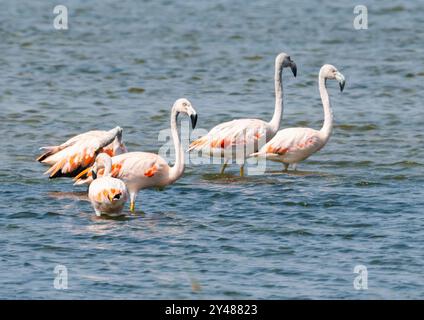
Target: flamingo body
{"points": [[221, 139], [141, 170], [292, 145], [79, 152]]}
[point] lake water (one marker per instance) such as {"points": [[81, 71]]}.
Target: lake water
{"points": [[359, 201]]}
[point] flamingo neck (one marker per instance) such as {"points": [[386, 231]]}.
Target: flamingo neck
{"points": [[177, 169], [278, 111], [327, 128], [107, 165]]}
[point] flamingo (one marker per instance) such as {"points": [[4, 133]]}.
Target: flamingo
{"points": [[107, 194], [220, 140], [140, 170], [79, 152], [292, 145]]}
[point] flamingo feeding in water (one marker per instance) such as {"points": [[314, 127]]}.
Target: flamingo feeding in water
{"points": [[107, 194], [79, 152], [292, 145], [140, 170], [221, 139]]}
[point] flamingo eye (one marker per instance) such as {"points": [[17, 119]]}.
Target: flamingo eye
{"points": [[184, 104]]}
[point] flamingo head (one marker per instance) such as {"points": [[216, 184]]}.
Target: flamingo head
{"points": [[117, 132], [284, 61], [184, 106], [329, 71], [118, 145]]}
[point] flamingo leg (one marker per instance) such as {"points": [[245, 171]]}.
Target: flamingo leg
{"points": [[132, 202], [295, 166], [286, 167], [224, 166], [242, 171]]}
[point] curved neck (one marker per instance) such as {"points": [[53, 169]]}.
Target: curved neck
{"points": [[106, 163], [328, 112], [278, 111], [178, 168]]}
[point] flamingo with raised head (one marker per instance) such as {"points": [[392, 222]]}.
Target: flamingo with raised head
{"points": [[79, 152], [221, 140], [292, 145], [107, 194], [140, 170]]}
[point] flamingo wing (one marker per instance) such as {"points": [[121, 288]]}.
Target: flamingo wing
{"points": [[137, 163], [52, 150], [75, 159], [53, 154], [292, 145], [79, 154], [128, 167], [113, 149], [233, 133]]}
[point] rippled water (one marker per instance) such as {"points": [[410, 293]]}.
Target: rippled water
{"points": [[298, 235]]}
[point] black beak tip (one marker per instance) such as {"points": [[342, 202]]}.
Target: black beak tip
{"points": [[94, 175], [117, 196], [294, 70], [193, 118], [342, 85]]}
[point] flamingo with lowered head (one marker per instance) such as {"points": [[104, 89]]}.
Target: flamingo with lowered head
{"points": [[221, 139], [107, 194], [79, 152], [292, 145], [140, 170]]}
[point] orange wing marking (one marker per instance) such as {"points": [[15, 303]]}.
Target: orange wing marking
{"points": [[151, 171], [280, 151], [116, 168]]}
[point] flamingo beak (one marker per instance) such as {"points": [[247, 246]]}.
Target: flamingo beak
{"points": [[94, 172], [341, 79], [193, 118], [293, 68], [114, 196]]}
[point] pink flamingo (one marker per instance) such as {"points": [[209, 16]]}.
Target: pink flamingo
{"points": [[140, 170], [220, 140], [107, 194], [292, 145], [79, 152]]}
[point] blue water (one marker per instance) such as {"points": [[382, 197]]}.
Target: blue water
{"points": [[359, 201]]}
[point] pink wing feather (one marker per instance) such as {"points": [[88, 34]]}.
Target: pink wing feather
{"points": [[239, 132], [292, 145]]}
